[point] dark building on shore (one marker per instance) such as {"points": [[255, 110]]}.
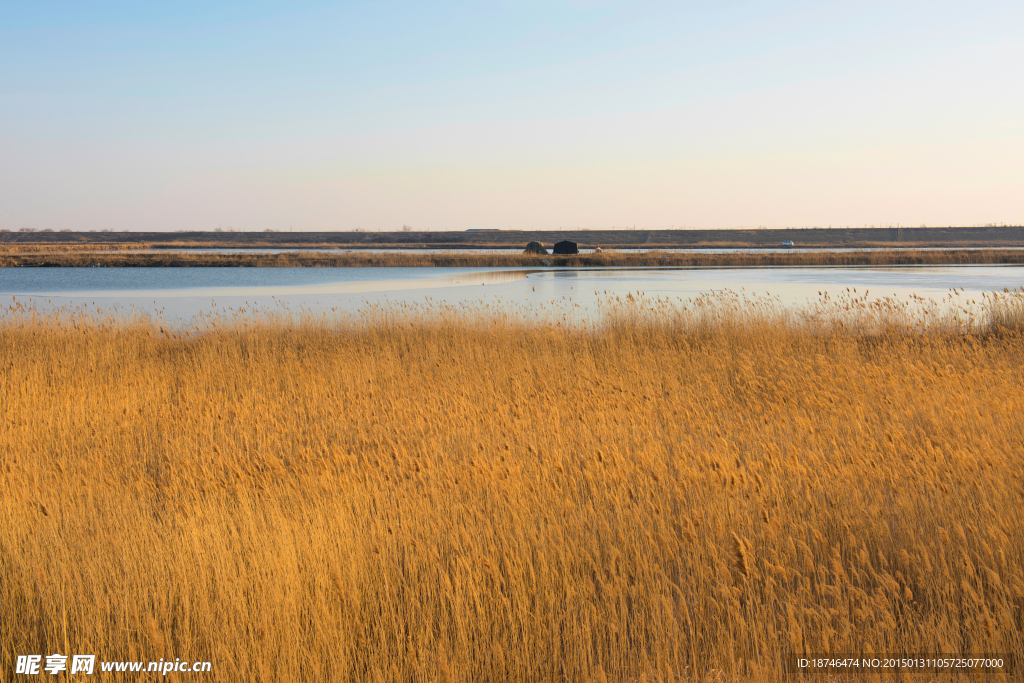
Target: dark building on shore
{"points": [[565, 247]]}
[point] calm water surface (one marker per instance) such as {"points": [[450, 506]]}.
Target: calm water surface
{"points": [[179, 294], [519, 250]]}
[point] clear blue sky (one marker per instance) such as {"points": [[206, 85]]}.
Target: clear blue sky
{"points": [[188, 115]]}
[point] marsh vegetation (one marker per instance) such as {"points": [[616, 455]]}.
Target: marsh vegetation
{"points": [[674, 492], [128, 257]]}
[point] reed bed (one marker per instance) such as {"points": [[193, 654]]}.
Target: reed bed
{"points": [[672, 493], [8, 248], [127, 258]]}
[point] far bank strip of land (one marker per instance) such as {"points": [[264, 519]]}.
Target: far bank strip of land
{"points": [[184, 259], [950, 237]]}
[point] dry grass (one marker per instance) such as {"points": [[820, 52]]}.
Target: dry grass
{"points": [[458, 495], [126, 258], [7, 249]]}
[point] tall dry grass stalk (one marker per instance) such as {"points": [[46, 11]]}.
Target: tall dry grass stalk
{"points": [[458, 495]]}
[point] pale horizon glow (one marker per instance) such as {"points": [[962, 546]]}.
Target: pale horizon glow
{"points": [[525, 115]]}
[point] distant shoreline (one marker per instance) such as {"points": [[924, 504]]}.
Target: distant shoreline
{"points": [[805, 238], [87, 258]]}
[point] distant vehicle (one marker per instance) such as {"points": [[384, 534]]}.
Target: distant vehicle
{"points": [[787, 243]]}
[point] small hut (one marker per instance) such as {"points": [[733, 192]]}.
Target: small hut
{"points": [[535, 248], [566, 247]]}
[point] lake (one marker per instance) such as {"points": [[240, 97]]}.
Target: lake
{"points": [[519, 250], [177, 295]]}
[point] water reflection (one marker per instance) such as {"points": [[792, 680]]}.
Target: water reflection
{"points": [[179, 294], [519, 250]]}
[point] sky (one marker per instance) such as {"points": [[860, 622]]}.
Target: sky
{"points": [[513, 115]]}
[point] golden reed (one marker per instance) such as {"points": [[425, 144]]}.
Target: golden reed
{"points": [[458, 495]]}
